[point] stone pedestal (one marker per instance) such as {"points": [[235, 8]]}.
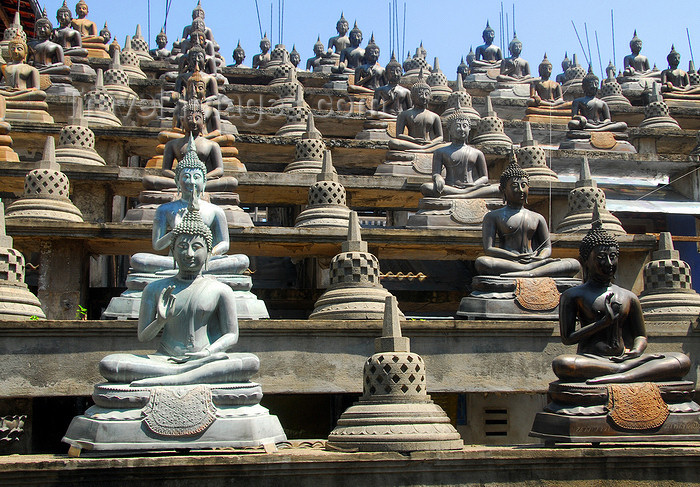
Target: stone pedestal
{"points": [[375, 130], [597, 141], [505, 298], [63, 276], [454, 214], [174, 418], [415, 164], [582, 413]]}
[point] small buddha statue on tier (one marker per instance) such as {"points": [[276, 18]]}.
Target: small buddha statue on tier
{"points": [[515, 69], [392, 98], [262, 59], [353, 55], [464, 166], [370, 75], [195, 61], [488, 55], [238, 56], [516, 240], [68, 37], [675, 83], [196, 89], [197, 13], [423, 126], [21, 86], [546, 98], [611, 337], [47, 56], [315, 62], [105, 34], [198, 38], [591, 113], [191, 182], [90, 37], [635, 64], [208, 152], [294, 56], [161, 54], [565, 64], [338, 43]]}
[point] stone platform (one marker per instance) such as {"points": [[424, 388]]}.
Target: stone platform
{"points": [[642, 465]]}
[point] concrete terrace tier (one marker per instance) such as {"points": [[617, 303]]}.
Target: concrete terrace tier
{"points": [[306, 463], [126, 239], [59, 358]]}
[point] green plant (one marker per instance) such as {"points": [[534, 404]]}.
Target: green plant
{"points": [[81, 313], [34, 318]]}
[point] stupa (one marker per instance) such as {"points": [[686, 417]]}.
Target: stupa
{"points": [[395, 412], [98, 105], [16, 301], [355, 292], [583, 200], [490, 129], [326, 206], [533, 159], [46, 192], [309, 150]]}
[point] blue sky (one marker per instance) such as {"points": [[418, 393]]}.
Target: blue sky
{"points": [[447, 28]]}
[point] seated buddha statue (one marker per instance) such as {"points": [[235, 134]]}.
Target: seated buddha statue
{"points": [[566, 63], [392, 98], [262, 59], [196, 87], [197, 13], [516, 240], [636, 65], [314, 63], [198, 38], [464, 166], [197, 317], [353, 54], [590, 113], [208, 151], [370, 74], [161, 53], [423, 126], [239, 56], [196, 61], [488, 55], [92, 40], [675, 83], [546, 99], [191, 182], [69, 38], [47, 56], [515, 69], [611, 335], [21, 86], [338, 43]]}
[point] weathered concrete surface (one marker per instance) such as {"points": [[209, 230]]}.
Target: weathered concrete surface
{"points": [[641, 466], [59, 358]]}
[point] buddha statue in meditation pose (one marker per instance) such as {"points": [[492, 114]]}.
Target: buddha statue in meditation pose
{"points": [[68, 37], [611, 337], [516, 240], [262, 59], [488, 55], [191, 180], [339, 42], [208, 152], [87, 28], [591, 113], [635, 64], [353, 54], [546, 99], [315, 62], [238, 56], [515, 69], [20, 80], [392, 98], [424, 127], [466, 175], [47, 56], [675, 83], [161, 53], [370, 74]]}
